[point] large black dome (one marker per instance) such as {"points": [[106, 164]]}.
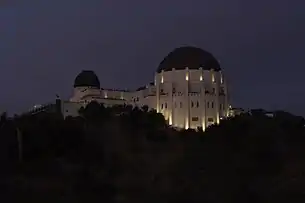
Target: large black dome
{"points": [[87, 78], [190, 57]]}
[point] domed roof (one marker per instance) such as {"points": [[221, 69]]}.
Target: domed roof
{"points": [[190, 57], [87, 78]]}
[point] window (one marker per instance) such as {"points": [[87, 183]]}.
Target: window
{"points": [[220, 106], [212, 104], [222, 91], [195, 118], [213, 90], [192, 104], [175, 104], [208, 104], [161, 106], [180, 104], [197, 104], [174, 90], [166, 105]]}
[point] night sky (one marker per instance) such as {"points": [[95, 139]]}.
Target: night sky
{"points": [[44, 44]]}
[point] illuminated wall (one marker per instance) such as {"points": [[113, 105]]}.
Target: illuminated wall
{"points": [[191, 98], [186, 98]]}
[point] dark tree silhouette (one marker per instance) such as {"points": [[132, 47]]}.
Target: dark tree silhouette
{"points": [[126, 154]]}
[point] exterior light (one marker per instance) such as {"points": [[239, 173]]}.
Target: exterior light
{"points": [[186, 123], [203, 124], [213, 77]]}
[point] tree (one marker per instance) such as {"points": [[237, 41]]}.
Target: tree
{"points": [[93, 112], [133, 156], [3, 118]]}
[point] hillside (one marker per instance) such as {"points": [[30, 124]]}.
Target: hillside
{"points": [[122, 154]]}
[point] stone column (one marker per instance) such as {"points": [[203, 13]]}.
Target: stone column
{"points": [[172, 100], [157, 83], [187, 99], [226, 92], [202, 101], [216, 85]]}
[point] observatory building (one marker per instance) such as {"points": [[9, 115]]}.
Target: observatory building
{"points": [[189, 89]]}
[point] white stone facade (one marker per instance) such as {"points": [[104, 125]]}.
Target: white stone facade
{"points": [[188, 98], [191, 98]]}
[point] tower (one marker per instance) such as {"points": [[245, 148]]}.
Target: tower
{"points": [[191, 91]]}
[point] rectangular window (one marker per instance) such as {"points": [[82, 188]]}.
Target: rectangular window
{"points": [[180, 104], [212, 104], [208, 104], [195, 119], [221, 91], [210, 120]]}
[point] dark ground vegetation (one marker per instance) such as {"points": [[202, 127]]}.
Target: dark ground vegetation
{"points": [[121, 154]]}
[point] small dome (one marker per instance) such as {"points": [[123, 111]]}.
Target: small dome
{"points": [[190, 57], [87, 78]]}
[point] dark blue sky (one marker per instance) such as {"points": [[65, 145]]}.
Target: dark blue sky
{"points": [[44, 44]]}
